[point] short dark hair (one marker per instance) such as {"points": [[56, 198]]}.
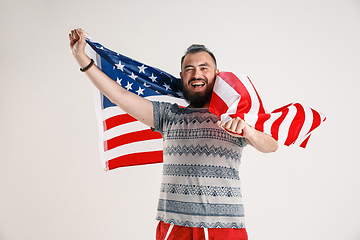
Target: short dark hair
{"points": [[195, 48]]}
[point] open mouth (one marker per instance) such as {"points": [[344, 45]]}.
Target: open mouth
{"points": [[197, 84]]}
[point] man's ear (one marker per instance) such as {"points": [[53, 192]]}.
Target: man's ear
{"points": [[217, 71], [180, 74]]}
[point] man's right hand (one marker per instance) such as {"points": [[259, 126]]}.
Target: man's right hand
{"points": [[77, 46]]}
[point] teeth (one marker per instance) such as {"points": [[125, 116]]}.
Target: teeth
{"points": [[198, 84]]}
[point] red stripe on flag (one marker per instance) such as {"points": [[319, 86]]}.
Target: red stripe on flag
{"points": [[315, 123], [234, 82], [276, 124], [261, 108], [117, 120], [303, 144], [296, 125], [217, 106], [262, 118], [135, 159], [281, 108], [316, 120], [240, 115], [131, 137]]}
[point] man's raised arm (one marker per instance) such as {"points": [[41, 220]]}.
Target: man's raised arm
{"points": [[138, 107]]}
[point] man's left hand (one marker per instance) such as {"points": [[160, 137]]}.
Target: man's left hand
{"points": [[237, 128], [259, 140]]}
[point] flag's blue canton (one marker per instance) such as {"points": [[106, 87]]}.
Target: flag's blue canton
{"points": [[125, 81], [136, 77]]}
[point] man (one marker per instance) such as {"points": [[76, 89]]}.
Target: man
{"points": [[200, 194]]}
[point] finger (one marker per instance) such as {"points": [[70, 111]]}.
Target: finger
{"points": [[73, 35], [76, 34], [81, 35], [237, 125], [73, 38], [227, 125], [232, 125]]}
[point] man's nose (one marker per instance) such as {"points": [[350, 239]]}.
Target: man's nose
{"points": [[197, 73]]}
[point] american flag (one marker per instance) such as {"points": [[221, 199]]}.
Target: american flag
{"points": [[124, 141], [236, 96]]}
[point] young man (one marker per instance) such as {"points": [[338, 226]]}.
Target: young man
{"points": [[200, 194]]}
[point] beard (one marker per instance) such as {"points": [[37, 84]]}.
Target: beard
{"points": [[198, 99]]}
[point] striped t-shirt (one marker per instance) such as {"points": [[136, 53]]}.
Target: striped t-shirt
{"points": [[201, 184]]}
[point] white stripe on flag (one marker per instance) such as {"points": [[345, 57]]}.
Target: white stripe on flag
{"points": [[228, 95], [300, 139], [124, 129], [135, 147], [268, 123], [251, 119], [285, 124], [111, 112], [304, 133], [255, 104]]}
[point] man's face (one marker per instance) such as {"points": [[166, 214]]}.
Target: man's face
{"points": [[198, 75]]}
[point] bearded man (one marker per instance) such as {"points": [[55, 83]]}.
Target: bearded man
{"points": [[200, 196]]}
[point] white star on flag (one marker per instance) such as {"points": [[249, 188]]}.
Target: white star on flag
{"points": [[140, 91], [146, 85], [128, 86], [118, 81], [133, 76], [153, 78], [180, 93], [119, 66], [142, 69], [166, 86]]}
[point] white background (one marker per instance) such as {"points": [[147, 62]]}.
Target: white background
{"points": [[51, 181]]}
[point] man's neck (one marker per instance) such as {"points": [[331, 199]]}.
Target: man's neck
{"points": [[205, 106]]}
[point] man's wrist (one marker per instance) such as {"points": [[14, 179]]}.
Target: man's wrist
{"points": [[82, 59], [252, 134]]}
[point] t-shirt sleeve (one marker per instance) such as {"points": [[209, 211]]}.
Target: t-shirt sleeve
{"points": [[160, 110], [243, 142]]}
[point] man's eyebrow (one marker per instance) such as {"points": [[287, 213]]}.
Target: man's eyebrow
{"points": [[201, 65], [204, 64]]}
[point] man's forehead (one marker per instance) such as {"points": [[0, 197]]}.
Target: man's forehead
{"points": [[198, 58]]}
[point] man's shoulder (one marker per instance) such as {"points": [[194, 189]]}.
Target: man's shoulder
{"points": [[167, 107], [166, 104]]}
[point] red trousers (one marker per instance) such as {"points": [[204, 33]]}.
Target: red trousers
{"points": [[166, 231]]}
